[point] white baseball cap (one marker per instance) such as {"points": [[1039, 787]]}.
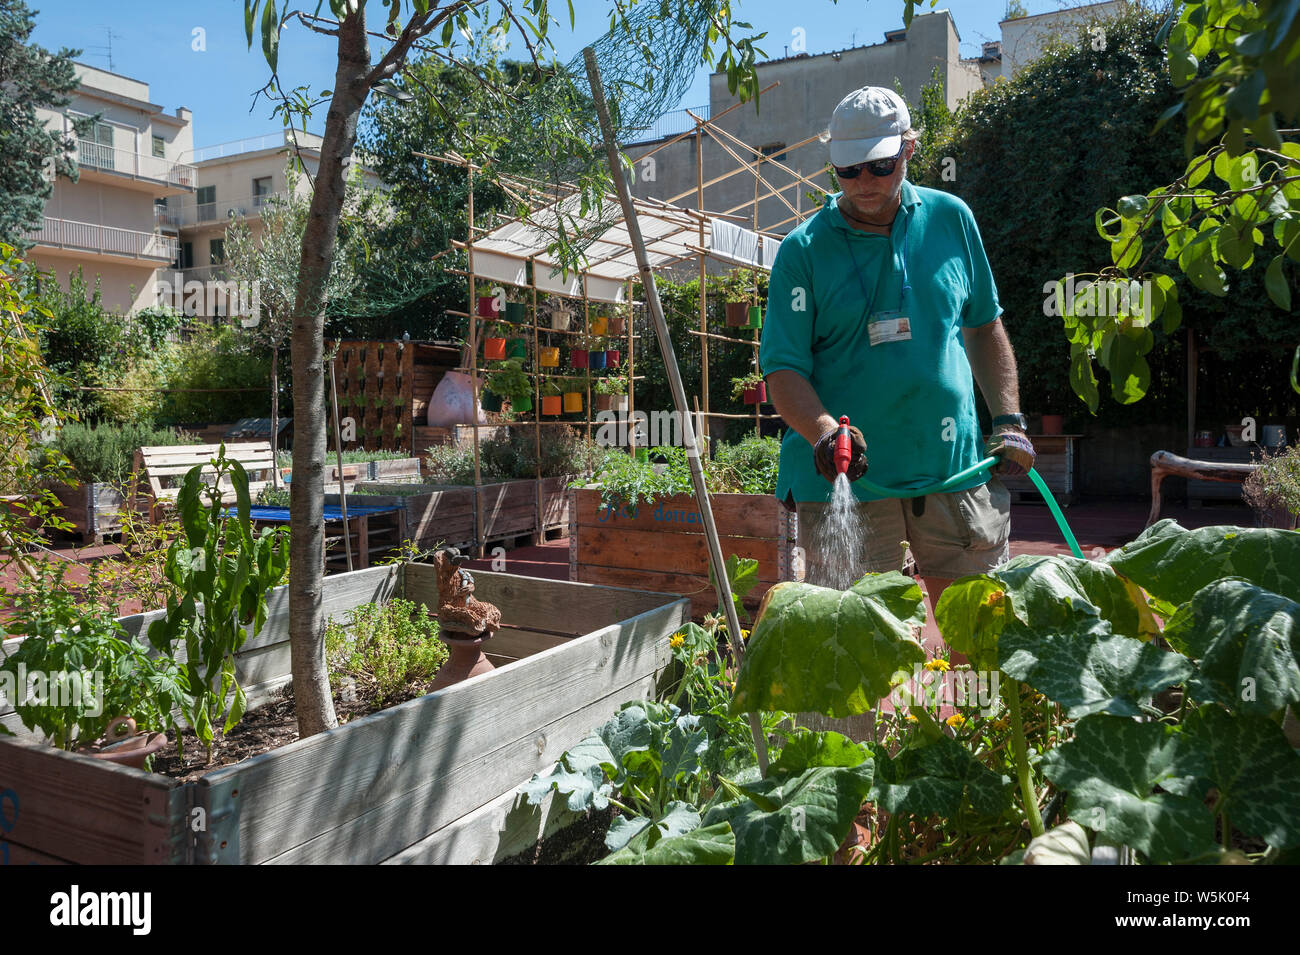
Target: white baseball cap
{"points": [[867, 125]]}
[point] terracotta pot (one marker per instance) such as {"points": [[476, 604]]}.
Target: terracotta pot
{"points": [[126, 748], [487, 306], [611, 358], [561, 319], [603, 402], [737, 314], [516, 348], [465, 659], [494, 349], [617, 325], [551, 404], [578, 358], [600, 325], [548, 357], [572, 401], [756, 395], [1053, 423], [595, 360]]}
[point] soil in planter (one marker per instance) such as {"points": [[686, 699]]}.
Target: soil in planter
{"points": [[268, 727], [579, 843]]}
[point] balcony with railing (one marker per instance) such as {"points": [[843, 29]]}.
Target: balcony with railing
{"points": [[97, 158], [98, 239], [190, 212]]}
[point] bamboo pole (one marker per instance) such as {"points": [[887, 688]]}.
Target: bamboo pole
{"points": [[473, 372], [679, 392], [704, 278]]}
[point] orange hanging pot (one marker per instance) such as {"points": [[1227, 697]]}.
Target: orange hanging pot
{"points": [[551, 404], [599, 324], [494, 349]]}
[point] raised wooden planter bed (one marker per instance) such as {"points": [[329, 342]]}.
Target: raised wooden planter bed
{"points": [[662, 548], [94, 510], [428, 780]]}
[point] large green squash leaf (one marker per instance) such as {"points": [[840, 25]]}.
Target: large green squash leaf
{"points": [[788, 821], [712, 845], [579, 774], [1249, 761], [1244, 639], [1087, 668], [679, 817], [808, 749], [1173, 563], [1110, 768], [971, 614], [936, 778], [815, 649]]}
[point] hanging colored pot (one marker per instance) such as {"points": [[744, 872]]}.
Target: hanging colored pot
{"points": [[494, 349], [517, 348], [572, 401], [756, 395], [578, 358], [599, 324], [522, 403], [548, 357], [619, 403], [487, 306], [551, 404], [603, 402], [737, 314], [617, 325], [755, 316], [611, 358], [596, 360], [517, 312], [489, 402], [560, 320]]}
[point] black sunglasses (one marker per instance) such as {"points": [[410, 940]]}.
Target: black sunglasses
{"points": [[878, 167]]}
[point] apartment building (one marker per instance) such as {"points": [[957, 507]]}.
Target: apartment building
{"points": [[791, 116], [109, 223]]}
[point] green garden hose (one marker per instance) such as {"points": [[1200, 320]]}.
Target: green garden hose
{"points": [[962, 476]]}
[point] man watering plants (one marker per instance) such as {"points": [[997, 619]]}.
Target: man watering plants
{"points": [[882, 307]]}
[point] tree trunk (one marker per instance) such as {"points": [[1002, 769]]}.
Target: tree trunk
{"points": [[275, 416], [315, 707]]}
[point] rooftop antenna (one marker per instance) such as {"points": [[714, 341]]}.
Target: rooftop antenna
{"points": [[108, 48]]}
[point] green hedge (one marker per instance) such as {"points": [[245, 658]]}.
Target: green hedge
{"points": [[106, 453]]}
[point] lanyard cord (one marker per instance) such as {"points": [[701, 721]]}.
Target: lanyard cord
{"points": [[871, 298]]}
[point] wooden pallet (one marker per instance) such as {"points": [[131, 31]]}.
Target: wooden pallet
{"points": [[162, 469]]}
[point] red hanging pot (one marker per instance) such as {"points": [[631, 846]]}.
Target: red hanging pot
{"points": [[756, 395], [578, 358], [487, 306], [611, 358]]}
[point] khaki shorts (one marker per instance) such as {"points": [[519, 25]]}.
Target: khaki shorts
{"points": [[958, 533]]}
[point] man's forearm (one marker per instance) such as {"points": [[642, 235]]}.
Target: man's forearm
{"points": [[798, 405], [993, 363]]}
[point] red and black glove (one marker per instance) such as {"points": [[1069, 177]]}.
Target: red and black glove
{"points": [[824, 455], [1015, 450]]}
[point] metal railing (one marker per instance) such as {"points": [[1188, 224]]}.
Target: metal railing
{"points": [[106, 240], [101, 158], [190, 212], [669, 124], [234, 148]]}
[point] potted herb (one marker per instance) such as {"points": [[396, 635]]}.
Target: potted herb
{"points": [[1273, 489], [596, 354], [494, 342], [751, 388], [611, 393], [561, 317], [551, 401]]}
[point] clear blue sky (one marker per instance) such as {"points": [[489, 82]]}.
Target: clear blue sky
{"points": [[153, 40]]}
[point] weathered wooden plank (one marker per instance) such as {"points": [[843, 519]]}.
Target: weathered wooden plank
{"points": [[519, 643], [668, 553], [507, 825], [311, 790], [532, 600], [736, 515], [75, 807], [697, 588]]}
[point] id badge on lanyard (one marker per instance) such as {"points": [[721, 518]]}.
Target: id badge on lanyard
{"points": [[887, 325]]}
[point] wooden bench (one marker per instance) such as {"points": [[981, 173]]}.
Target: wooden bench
{"points": [[163, 468], [1165, 463]]}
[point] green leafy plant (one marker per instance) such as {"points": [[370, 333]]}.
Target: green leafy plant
{"points": [[105, 453], [223, 573], [76, 670], [508, 380], [389, 652], [1275, 484], [740, 385], [611, 385]]}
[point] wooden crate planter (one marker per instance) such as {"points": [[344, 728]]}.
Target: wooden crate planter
{"points": [[427, 780], [662, 547], [385, 387], [440, 513], [94, 510]]}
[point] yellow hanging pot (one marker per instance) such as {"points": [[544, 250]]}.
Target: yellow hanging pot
{"points": [[548, 357], [572, 401]]}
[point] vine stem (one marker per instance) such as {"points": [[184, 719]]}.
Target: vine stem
{"points": [[1022, 760]]}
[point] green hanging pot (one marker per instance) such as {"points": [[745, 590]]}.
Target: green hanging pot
{"points": [[522, 403], [755, 317], [517, 312], [516, 348]]}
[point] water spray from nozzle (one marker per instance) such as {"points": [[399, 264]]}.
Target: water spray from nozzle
{"points": [[843, 446]]}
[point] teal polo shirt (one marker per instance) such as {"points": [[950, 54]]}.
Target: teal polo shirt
{"points": [[913, 397]]}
